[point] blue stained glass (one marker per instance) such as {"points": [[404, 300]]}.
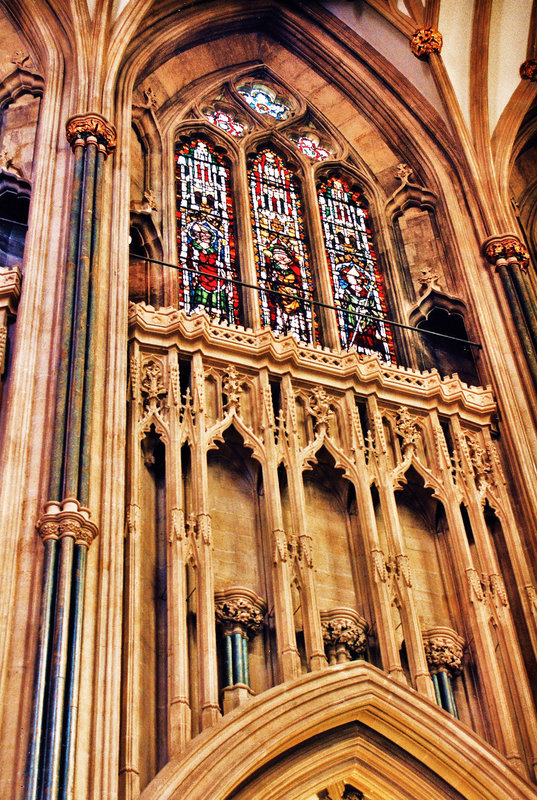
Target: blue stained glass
{"points": [[280, 250], [205, 244], [356, 283], [264, 101]]}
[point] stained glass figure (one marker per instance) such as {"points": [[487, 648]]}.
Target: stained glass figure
{"points": [[280, 250], [356, 283], [205, 245], [265, 101], [311, 148], [226, 122]]}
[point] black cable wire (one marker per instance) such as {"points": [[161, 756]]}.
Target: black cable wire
{"points": [[311, 300]]}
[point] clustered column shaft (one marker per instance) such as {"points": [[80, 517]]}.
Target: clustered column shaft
{"points": [[65, 527]]}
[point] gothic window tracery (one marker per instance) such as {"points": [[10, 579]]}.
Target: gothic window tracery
{"points": [[281, 257], [205, 242], [358, 292], [284, 271]]}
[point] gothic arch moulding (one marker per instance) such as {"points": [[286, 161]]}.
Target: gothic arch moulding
{"points": [[348, 723]]}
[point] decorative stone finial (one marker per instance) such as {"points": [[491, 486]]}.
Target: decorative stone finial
{"points": [[320, 406], [443, 650], [19, 58], [426, 41], [150, 98], [404, 173], [240, 608], [407, 428], [528, 70], [232, 386], [82, 126]]}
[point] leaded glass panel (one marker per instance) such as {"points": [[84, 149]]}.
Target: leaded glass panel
{"points": [[280, 249], [205, 245], [356, 283], [226, 122], [311, 148], [265, 101]]}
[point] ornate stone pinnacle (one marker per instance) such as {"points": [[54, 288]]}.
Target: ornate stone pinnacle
{"points": [[505, 247], [404, 173], [344, 632], [443, 650], [528, 70], [240, 608], [232, 386], [407, 428], [82, 126], [319, 405], [426, 41]]}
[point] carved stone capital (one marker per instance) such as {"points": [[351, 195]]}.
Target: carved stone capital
{"points": [[239, 609], [69, 519], [426, 41], [528, 69], [443, 650], [344, 633], [10, 288], [505, 247], [81, 127]]}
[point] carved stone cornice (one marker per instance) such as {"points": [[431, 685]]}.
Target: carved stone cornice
{"points": [[344, 629], [234, 344], [443, 650], [528, 69], [426, 41], [68, 519], [505, 247], [81, 127], [240, 610]]}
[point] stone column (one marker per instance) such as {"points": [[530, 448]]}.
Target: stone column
{"points": [[511, 259], [240, 613], [344, 635], [444, 652], [50, 761]]}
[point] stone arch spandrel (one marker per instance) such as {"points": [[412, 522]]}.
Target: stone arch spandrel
{"points": [[253, 742]]}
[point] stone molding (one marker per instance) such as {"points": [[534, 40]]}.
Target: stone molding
{"points": [[444, 650], [505, 247], [344, 632], [80, 128], [426, 41], [528, 70], [234, 341], [240, 609], [68, 519]]}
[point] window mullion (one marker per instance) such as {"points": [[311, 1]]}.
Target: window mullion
{"points": [[245, 243]]}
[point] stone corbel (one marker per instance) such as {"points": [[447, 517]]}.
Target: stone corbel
{"points": [[344, 635], [10, 287]]}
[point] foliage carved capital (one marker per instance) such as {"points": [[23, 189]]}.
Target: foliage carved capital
{"points": [[81, 127], [426, 41], [505, 247], [68, 520], [443, 650], [241, 609], [344, 626]]}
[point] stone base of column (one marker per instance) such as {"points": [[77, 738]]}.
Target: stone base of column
{"points": [[235, 696]]}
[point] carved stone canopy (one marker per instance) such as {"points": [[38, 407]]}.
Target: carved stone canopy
{"points": [[443, 650], [344, 632], [240, 610]]}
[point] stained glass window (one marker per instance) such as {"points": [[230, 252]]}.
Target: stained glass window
{"points": [[311, 148], [265, 101], [280, 250], [205, 245], [226, 122], [355, 279]]}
